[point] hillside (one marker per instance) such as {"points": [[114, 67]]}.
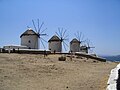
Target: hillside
{"points": [[34, 72]]}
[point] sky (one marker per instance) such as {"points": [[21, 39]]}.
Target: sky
{"points": [[98, 20]]}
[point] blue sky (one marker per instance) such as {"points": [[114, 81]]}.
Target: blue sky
{"points": [[98, 20]]}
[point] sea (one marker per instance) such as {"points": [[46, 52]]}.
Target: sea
{"points": [[112, 58]]}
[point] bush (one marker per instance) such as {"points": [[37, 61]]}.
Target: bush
{"points": [[62, 58]]}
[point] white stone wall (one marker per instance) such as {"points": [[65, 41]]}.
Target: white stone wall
{"points": [[14, 47], [112, 81], [31, 41], [55, 46], [74, 47]]}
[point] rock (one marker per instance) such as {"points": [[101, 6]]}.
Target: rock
{"points": [[62, 58]]}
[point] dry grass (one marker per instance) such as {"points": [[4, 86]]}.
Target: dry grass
{"points": [[34, 72]]}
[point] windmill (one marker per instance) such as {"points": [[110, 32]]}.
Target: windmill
{"points": [[63, 37], [79, 36], [40, 33], [88, 46], [76, 42]]}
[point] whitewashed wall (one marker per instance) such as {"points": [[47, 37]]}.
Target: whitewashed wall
{"points": [[112, 81], [55, 45], [34, 41], [14, 47]]}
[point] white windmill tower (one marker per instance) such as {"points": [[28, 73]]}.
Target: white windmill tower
{"points": [[30, 38], [74, 45], [55, 44], [58, 40], [63, 38], [87, 48], [76, 42]]}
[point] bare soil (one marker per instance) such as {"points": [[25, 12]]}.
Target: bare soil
{"points": [[34, 72]]}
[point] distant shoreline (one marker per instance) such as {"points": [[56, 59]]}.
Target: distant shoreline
{"points": [[112, 58]]}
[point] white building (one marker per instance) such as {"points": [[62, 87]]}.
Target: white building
{"points": [[75, 45], [55, 44], [14, 47], [30, 39]]}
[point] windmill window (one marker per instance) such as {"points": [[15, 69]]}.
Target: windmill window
{"points": [[29, 41]]}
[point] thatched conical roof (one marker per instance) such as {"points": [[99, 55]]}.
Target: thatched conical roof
{"points": [[75, 41], [54, 38], [29, 32]]}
